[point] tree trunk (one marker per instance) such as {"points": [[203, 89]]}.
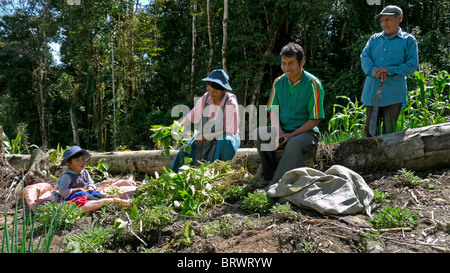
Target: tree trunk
{"points": [[415, 149], [210, 36], [225, 36], [194, 39], [74, 123]]}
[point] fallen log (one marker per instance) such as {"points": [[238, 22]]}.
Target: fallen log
{"points": [[414, 149]]}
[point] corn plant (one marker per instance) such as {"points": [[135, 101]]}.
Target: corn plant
{"points": [[347, 122]]}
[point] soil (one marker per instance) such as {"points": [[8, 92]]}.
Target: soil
{"points": [[310, 233]]}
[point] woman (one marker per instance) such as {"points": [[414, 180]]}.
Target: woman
{"points": [[216, 113]]}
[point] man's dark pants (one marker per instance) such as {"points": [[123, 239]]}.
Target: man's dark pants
{"points": [[386, 114], [294, 153]]}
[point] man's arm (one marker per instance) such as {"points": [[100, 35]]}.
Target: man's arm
{"points": [[308, 126], [411, 63]]}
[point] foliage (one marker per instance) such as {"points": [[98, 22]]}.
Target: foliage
{"points": [[92, 240], [408, 178], [284, 212], [56, 156], [67, 214], [348, 123], [16, 145], [168, 137], [236, 193], [390, 217], [156, 216], [257, 202], [99, 172], [12, 243], [429, 103], [379, 197]]}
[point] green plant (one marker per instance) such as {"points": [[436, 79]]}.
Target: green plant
{"points": [[236, 193], [226, 227], [168, 137], [284, 212], [348, 123], [390, 217], [372, 235], [56, 156], [257, 202], [379, 197], [92, 240], [12, 243], [99, 172], [408, 178], [67, 214], [191, 191], [157, 216]]}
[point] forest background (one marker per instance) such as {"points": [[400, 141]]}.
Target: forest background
{"points": [[123, 65]]}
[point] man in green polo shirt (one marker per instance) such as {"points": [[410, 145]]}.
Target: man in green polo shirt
{"points": [[296, 108]]}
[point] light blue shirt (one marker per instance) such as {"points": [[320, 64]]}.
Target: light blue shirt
{"points": [[399, 54]]}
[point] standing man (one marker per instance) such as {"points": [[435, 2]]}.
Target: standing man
{"points": [[296, 108], [388, 57]]}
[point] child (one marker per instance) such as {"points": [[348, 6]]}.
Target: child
{"points": [[75, 181]]}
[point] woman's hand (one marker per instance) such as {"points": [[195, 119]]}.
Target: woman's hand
{"points": [[200, 140]]}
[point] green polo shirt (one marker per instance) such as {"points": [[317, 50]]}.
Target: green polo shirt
{"points": [[297, 102]]}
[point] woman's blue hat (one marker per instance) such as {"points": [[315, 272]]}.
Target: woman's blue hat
{"points": [[72, 151], [219, 76]]}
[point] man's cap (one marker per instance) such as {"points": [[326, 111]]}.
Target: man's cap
{"points": [[72, 151], [219, 76], [390, 10]]}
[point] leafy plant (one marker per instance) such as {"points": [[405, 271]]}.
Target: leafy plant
{"points": [[284, 212], [236, 193], [390, 217], [99, 172], [157, 216], [257, 202], [348, 123], [56, 156], [168, 137], [379, 197], [408, 178], [91, 240], [191, 191], [67, 214]]}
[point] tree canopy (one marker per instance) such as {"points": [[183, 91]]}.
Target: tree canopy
{"points": [[123, 65]]}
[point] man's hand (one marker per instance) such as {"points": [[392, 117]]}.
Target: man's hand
{"points": [[283, 140], [380, 73]]}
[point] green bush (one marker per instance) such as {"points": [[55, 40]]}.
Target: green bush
{"points": [[390, 217], [258, 202]]}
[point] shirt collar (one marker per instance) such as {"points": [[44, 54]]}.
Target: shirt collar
{"points": [[69, 170], [399, 33], [210, 101]]}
